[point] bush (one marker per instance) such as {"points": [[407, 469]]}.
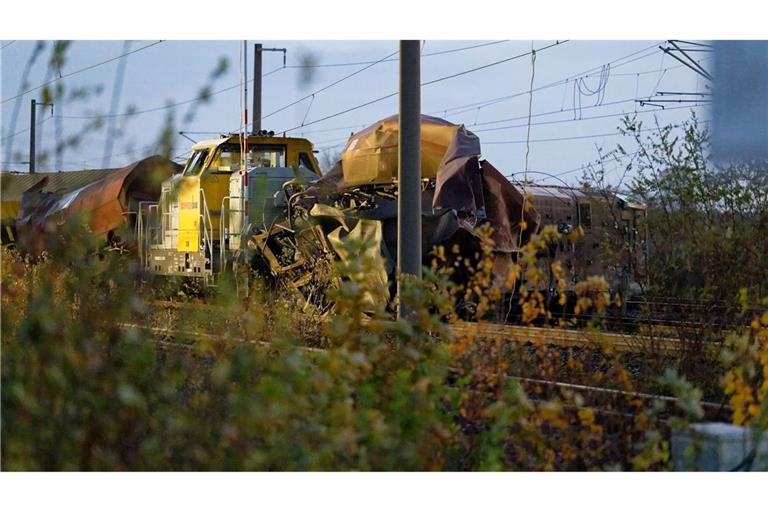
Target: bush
{"points": [[92, 380]]}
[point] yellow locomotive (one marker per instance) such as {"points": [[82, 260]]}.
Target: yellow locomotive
{"points": [[228, 187]]}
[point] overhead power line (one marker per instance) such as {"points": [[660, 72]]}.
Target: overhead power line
{"points": [[571, 120], [431, 54], [385, 59], [312, 95], [169, 105], [430, 82], [483, 123], [454, 50], [609, 156], [549, 113], [342, 141], [39, 123], [496, 63], [562, 109], [597, 162], [237, 85], [649, 51], [67, 75], [575, 137]]}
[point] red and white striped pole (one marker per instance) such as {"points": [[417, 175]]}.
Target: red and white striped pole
{"points": [[244, 136]]}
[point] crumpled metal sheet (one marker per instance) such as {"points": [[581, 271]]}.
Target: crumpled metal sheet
{"points": [[103, 203], [370, 234], [462, 192], [505, 211], [371, 155]]}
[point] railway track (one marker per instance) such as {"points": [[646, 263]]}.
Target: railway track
{"points": [[172, 339], [656, 339], [617, 342]]}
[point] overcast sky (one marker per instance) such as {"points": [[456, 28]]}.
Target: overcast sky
{"points": [[568, 122]]}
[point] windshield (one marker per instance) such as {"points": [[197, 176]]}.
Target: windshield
{"points": [[195, 163], [266, 156], [227, 157]]}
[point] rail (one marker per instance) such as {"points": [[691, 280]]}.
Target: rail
{"points": [[186, 339], [623, 343], [558, 336]]}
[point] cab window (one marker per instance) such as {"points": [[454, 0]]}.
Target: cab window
{"points": [[196, 163], [226, 160], [306, 162], [266, 156]]}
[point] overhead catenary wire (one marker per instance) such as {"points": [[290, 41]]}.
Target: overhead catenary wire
{"points": [[236, 86], [332, 84], [385, 97], [649, 51], [81, 70], [581, 89], [575, 137], [430, 82], [39, 123], [570, 120], [169, 105], [596, 162], [527, 153], [522, 93], [430, 54], [522, 125], [495, 63], [530, 110], [144, 149], [531, 114], [553, 112], [604, 158], [493, 101], [496, 121]]}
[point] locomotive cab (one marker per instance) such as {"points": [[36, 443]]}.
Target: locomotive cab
{"points": [[195, 228]]}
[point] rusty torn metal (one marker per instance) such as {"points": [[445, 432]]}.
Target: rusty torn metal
{"points": [[104, 204]]}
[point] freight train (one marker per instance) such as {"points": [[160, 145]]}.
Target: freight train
{"points": [[261, 204]]}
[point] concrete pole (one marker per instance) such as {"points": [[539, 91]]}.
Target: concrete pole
{"points": [[409, 168], [32, 123], [256, 88]]}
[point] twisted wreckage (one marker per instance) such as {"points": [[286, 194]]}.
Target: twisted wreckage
{"points": [[357, 198]]}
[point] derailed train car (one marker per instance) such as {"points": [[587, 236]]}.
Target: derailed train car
{"points": [[613, 239], [460, 192], [358, 198], [106, 201]]}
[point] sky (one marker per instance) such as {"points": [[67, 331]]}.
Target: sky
{"points": [[581, 91]]}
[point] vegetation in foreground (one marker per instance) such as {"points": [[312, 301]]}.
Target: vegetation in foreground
{"points": [[86, 386]]}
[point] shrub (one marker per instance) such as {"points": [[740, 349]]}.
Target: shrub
{"points": [[97, 376]]}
